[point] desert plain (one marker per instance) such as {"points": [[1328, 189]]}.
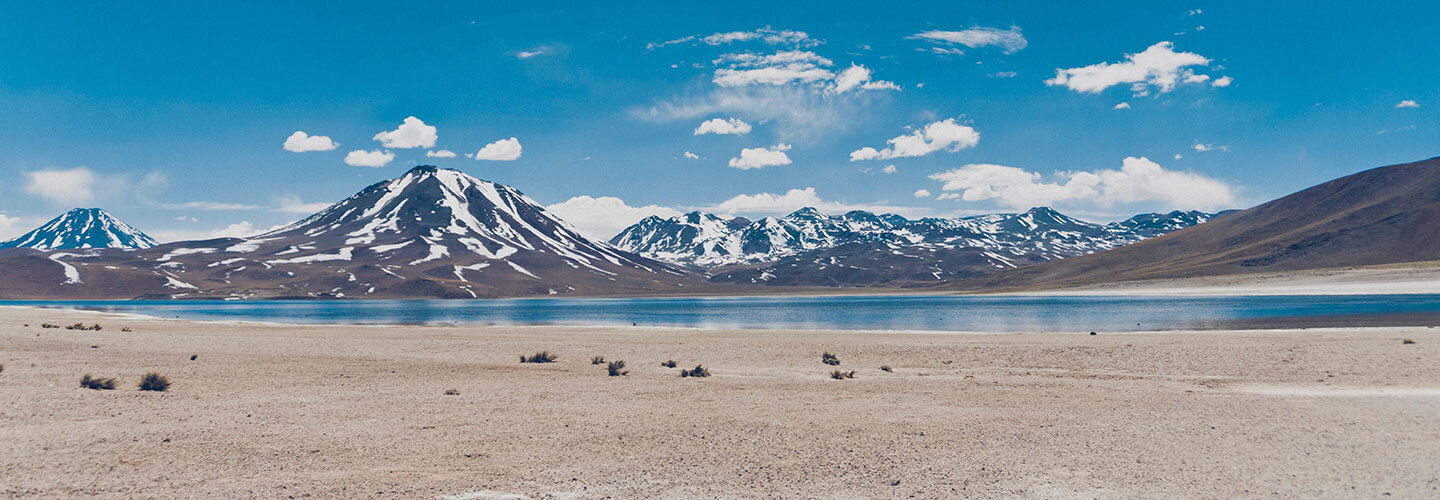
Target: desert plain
{"points": [[304, 411]]}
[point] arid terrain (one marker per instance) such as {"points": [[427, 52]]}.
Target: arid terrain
{"points": [[277, 411]]}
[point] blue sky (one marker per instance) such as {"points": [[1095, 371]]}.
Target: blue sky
{"points": [[174, 117]]}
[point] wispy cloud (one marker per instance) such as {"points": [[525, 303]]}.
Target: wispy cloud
{"points": [[1009, 40]]}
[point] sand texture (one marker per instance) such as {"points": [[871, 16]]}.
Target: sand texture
{"points": [[273, 411]]}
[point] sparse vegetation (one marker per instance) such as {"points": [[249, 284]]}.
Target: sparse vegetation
{"points": [[83, 327], [597, 360], [539, 357], [670, 364], [886, 369], [48, 325], [842, 375], [126, 329], [829, 359], [97, 383], [698, 371], [617, 368], [452, 392], [1407, 341], [154, 382]]}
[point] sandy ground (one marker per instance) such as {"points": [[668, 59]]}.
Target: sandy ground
{"points": [[350, 412], [1414, 278]]}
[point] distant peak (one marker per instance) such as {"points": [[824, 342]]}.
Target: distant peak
{"points": [[425, 169], [807, 212]]}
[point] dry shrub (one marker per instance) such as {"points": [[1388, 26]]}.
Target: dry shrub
{"points": [[154, 382], [97, 383], [540, 357]]}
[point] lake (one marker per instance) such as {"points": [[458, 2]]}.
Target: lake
{"points": [[899, 313]]}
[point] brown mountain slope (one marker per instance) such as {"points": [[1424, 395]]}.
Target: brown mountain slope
{"points": [[1384, 215]]}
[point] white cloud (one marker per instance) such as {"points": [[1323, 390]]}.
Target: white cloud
{"points": [[1157, 66], [1223, 81], [442, 153], [291, 204], [889, 169], [771, 75], [691, 156], [1003, 74], [300, 142], [74, 186], [752, 60], [363, 158], [1195, 12], [1408, 103], [948, 135], [604, 217], [526, 54], [1208, 147], [795, 199], [1179, 156], [237, 230], [1123, 105], [413, 133], [501, 150], [1009, 40], [857, 76], [794, 112], [723, 126], [1138, 180], [762, 157], [10, 227], [768, 35], [922, 193]]}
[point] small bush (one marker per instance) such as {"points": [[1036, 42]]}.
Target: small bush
{"points": [[154, 382], [81, 326], [617, 369], [698, 371], [829, 359], [126, 329], [97, 383], [886, 369], [1407, 341], [842, 375], [48, 325], [597, 360], [452, 392], [540, 357], [193, 356], [669, 364]]}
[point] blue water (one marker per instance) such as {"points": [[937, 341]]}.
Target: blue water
{"points": [[927, 313]]}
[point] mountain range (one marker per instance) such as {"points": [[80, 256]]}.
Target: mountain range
{"points": [[440, 233], [859, 248], [432, 232], [1385, 215]]}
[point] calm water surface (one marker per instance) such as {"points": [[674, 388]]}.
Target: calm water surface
{"points": [[929, 313]]}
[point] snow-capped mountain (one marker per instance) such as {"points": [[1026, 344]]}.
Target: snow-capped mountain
{"points": [[82, 228], [812, 247], [431, 232]]}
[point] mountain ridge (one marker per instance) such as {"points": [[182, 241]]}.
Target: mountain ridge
{"points": [[809, 242], [1383, 215]]}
